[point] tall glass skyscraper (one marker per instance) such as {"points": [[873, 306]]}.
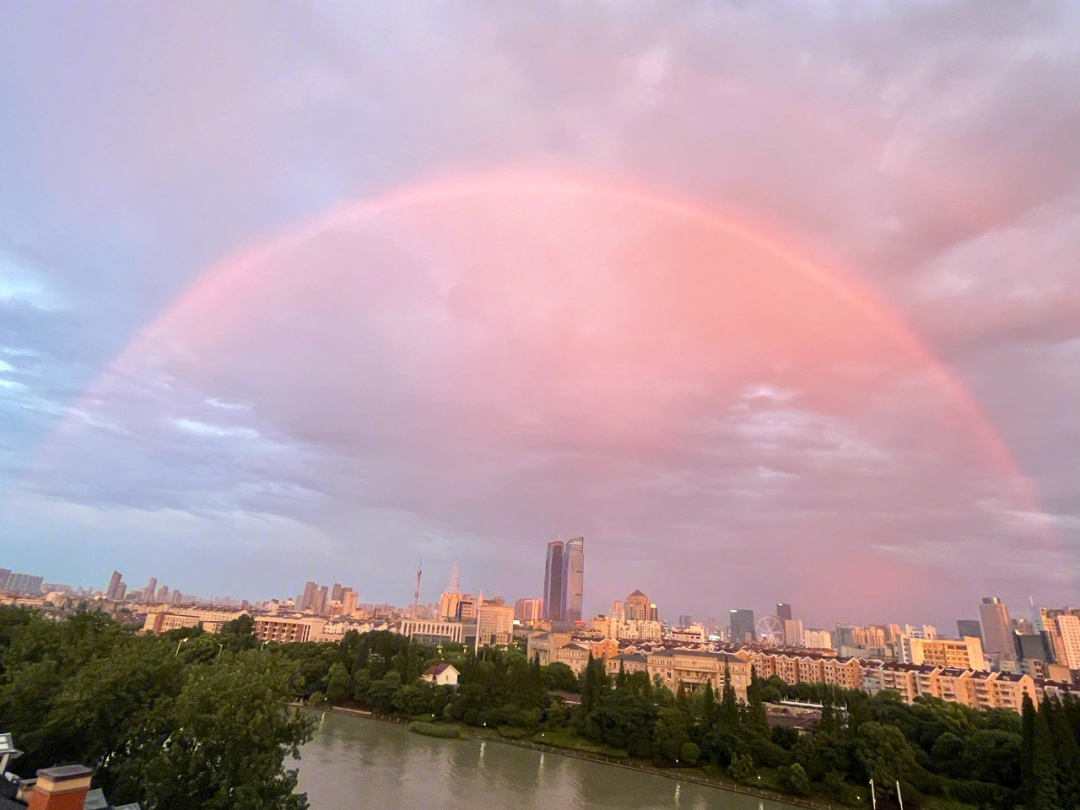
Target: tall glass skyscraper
{"points": [[574, 555], [554, 582]]}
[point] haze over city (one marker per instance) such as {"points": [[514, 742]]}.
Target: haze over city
{"points": [[769, 304]]}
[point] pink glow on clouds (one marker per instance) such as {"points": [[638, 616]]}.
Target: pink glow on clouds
{"points": [[456, 339]]}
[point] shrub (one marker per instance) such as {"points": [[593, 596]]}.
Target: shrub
{"points": [[689, 753], [436, 730]]}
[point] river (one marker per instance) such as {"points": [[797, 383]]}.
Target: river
{"points": [[356, 764]]}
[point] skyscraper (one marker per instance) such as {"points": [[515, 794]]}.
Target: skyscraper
{"points": [[996, 626], [574, 582], [742, 625], [307, 599], [114, 585], [636, 607], [554, 582], [783, 611], [969, 628]]}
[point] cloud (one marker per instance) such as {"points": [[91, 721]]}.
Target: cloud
{"points": [[471, 380]]}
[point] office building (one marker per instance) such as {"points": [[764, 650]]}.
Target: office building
{"points": [[742, 625], [494, 625], [783, 611], [114, 583], [554, 582], [529, 610], [321, 601], [636, 607], [307, 600], [574, 580], [997, 627], [685, 620], [969, 628]]}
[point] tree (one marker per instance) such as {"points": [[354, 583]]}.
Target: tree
{"points": [[689, 753], [793, 779], [742, 768], [338, 684], [226, 751], [558, 677], [884, 753]]}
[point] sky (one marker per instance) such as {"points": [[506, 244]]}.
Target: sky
{"points": [[769, 301]]}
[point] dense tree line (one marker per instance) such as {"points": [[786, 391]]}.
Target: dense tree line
{"points": [[182, 720], [192, 719]]}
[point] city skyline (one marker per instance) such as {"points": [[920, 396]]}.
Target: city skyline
{"points": [[767, 304]]}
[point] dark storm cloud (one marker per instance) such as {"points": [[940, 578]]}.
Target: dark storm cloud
{"points": [[930, 148]]}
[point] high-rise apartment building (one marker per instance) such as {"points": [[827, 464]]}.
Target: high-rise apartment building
{"points": [[783, 611], [685, 620], [555, 582], [793, 632], [574, 554], [348, 602], [114, 584], [742, 625], [969, 628], [942, 652], [151, 590], [1068, 627], [4, 574], [997, 627], [335, 593], [162, 595], [818, 639]]}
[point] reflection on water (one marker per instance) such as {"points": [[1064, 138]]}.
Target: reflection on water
{"points": [[354, 764]]}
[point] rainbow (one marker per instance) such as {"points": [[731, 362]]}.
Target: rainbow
{"points": [[230, 275]]}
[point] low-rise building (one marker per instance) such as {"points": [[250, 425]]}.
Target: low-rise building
{"points": [[441, 675], [691, 669], [162, 620], [288, 630], [425, 631]]}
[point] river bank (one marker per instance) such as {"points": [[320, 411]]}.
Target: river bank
{"points": [[690, 776]]}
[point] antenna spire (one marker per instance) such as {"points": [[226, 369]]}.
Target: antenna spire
{"points": [[416, 595]]}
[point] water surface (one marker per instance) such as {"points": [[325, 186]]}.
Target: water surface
{"points": [[354, 764]]}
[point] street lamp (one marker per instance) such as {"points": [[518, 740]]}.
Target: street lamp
{"points": [[182, 642]]}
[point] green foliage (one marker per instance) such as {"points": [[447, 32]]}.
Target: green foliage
{"points": [[200, 724], [441, 730], [558, 677], [742, 769], [149, 713], [793, 779], [884, 752]]}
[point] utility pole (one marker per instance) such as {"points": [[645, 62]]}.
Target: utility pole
{"points": [[899, 797]]}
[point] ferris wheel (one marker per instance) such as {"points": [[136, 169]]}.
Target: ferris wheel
{"points": [[770, 631]]}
